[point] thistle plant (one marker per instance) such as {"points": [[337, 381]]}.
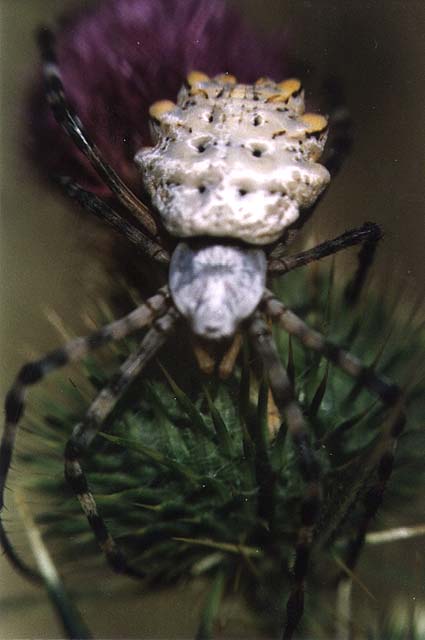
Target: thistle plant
{"points": [[194, 475]]}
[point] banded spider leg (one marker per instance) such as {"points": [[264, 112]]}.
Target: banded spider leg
{"points": [[35, 371], [290, 410], [84, 433], [391, 396], [72, 125], [100, 209]]}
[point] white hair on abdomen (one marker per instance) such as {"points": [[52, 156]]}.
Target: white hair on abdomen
{"points": [[235, 161]]}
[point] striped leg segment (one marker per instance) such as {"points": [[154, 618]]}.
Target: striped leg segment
{"points": [[309, 467], [34, 372], [389, 393], [373, 498], [97, 207], [70, 122], [368, 234], [84, 433]]}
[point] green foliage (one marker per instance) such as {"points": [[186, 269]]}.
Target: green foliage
{"points": [[192, 481]]}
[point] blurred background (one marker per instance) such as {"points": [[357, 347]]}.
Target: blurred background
{"points": [[47, 263]]}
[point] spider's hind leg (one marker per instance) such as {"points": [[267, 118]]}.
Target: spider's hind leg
{"points": [[337, 149], [365, 260], [368, 235], [84, 433], [101, 210], [340, 137], [307, 461], [72, 125]]}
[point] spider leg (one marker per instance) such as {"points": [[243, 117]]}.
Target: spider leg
{"points": [[336, 150], [35, 371], [365, 260], [373, 498], [84, 433], [288, 407], [340, 126], [368, 235], [96, 206], [70, 122], [369, 232], [390, 394]]}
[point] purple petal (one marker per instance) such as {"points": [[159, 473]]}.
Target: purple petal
{"points": [[120, 57]]}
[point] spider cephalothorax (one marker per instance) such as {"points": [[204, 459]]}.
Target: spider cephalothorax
{"points": [[217, 286], [232, 168]]}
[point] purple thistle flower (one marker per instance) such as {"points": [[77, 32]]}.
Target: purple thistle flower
{"points": [[122, 56]]}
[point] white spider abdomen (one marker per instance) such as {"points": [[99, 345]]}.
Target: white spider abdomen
{"points": [[234, 160]]}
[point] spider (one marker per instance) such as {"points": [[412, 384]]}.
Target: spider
{"points": [[232, 178]]}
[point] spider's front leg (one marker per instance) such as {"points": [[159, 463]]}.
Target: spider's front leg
{"points": [[309, 467], [84, 433], [389, 393], [34, 372]]}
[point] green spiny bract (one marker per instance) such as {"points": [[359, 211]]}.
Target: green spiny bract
{"points": [[192, 481]]}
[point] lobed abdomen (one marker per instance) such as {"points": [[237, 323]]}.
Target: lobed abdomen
{"points": [[234, 160]]}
